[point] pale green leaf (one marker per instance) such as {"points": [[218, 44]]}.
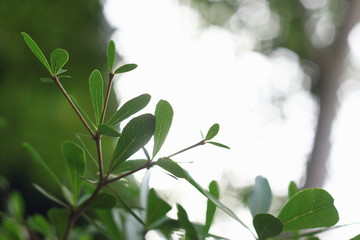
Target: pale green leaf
{"points": [[96, 85], [49, 196], [36, 50], [260, 198], [58, 58], [163, 115], [129, 166], [129, 108]]}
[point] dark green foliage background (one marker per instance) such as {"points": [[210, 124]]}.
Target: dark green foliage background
{"points": [[33, 111]]}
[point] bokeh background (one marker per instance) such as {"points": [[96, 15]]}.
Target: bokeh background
{"points": [[280, 77]]}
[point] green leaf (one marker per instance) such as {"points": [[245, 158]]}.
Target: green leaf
{"points": [[126, 68], [175, 169], [58, 58], [59, 219], [39, 224], [292, 189], [36, 50], [75, 162], [260, 198], [49, 196], [309, 208], [211, 207], [163, 115], [219, 145], [357, 237], [111, 53], [107, 130], [64, 76], [16, 206], [111, 226], [35, 156], [103, 201], [156, 209], [266, 226], [213, 131], [129, 165], [82, 112], [129, 108], [96, 85], [135, 135], [190, 231]]}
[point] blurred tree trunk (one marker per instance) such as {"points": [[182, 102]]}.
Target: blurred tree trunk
{"points": [[332, 65]]}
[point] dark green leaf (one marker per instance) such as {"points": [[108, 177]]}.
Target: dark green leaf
{"points": [[96, 85], [103, 201], [175, 169], [36, 50], [59, 219], [39, 224], [126, 68], [64, 76], [129, 108], [260, 198], [156, 209], [49, 196], [110, 225], [190, 231], [163, 115], [16, 206], [111, 53], [213, 131], [75, 162], [58, 58], [211, 207], [135, 135], [35, 155], [219, 145], [129, 165], [309, 208], [357, 237], [266, 226], [105, 129], [292, 189]]}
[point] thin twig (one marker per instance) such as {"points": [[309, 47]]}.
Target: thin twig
{"points": [[58, 83]]}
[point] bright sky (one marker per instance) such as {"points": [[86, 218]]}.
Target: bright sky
{"points": [[210, 76]]}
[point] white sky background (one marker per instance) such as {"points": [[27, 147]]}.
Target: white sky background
{"points": [[210, 76]]}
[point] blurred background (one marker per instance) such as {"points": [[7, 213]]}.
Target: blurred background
{"points": [[280, 77]]}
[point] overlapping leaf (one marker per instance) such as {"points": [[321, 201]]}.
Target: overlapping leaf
{"points": [[135, 135], [266, 226], [129, 108], [260, 197]]}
